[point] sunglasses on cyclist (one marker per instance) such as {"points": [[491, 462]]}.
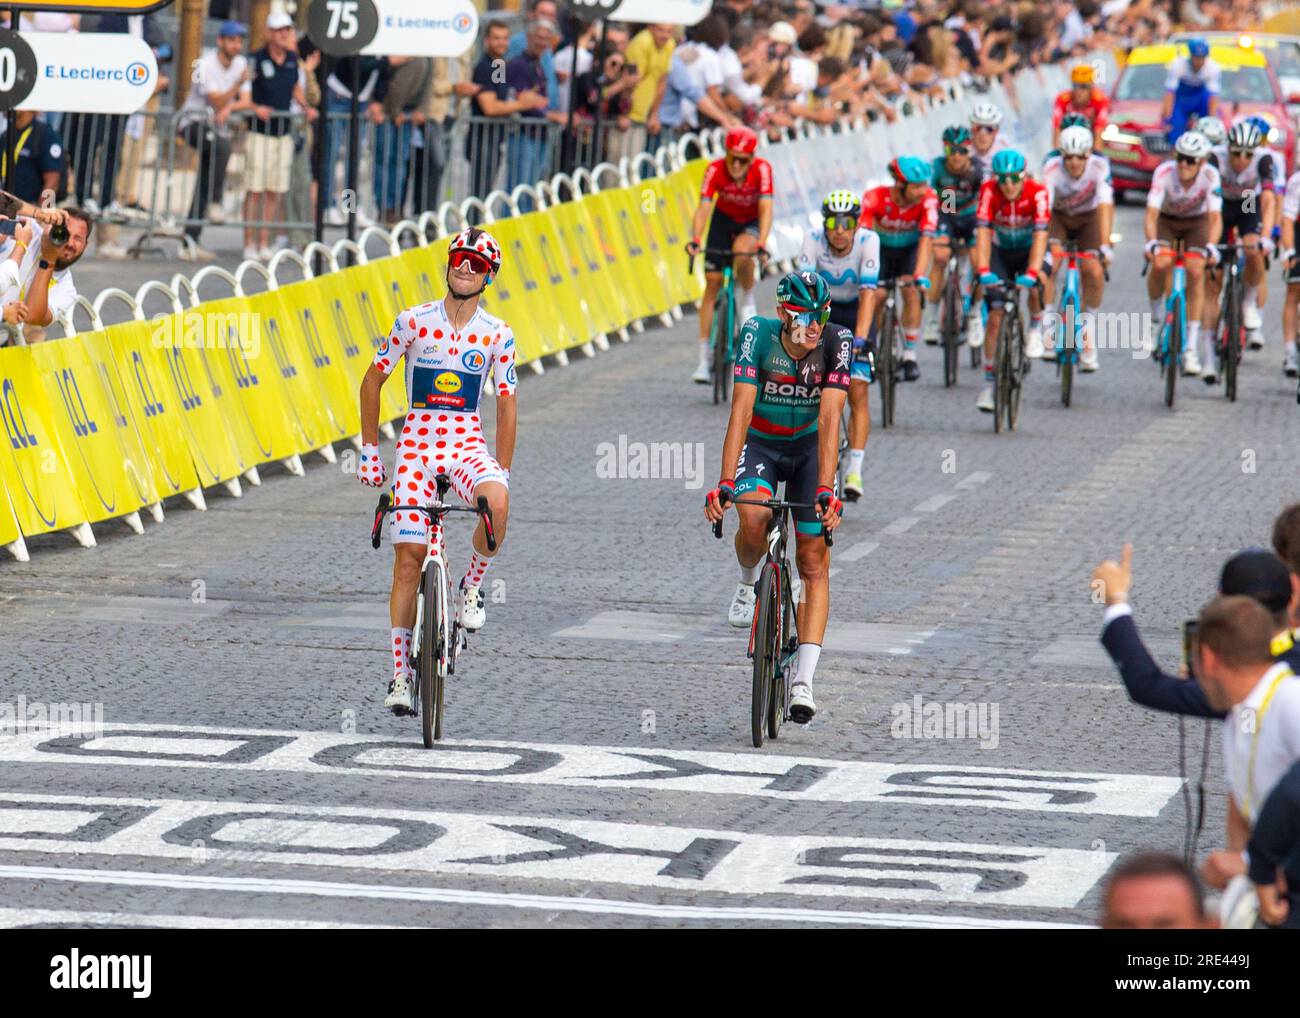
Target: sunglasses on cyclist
{"points": [[1241, 153], [739, 158], [1010, 178], [1075, 158], [957, 150], [1188, 160], [840, 222], [804, 317], [987, 128], [477, 263]]}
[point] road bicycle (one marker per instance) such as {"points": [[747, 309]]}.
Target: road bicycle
{"points": [[774, 633], [437, 634], [1010, 365], [954, 306], [1230, 332], [725, 328], [1069, 321], [889, 349], [1168, 350]]}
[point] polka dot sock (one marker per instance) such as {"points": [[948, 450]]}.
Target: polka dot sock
{"points": [[401, 647], [478, 567]]}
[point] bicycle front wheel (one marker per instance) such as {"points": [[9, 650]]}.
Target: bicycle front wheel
{"points": [[1066, 355], [886, 368], [430, 651], [842, 465], [1232, 339], [767, 648], [720, 337], [1016, 369], [950, 329], [1174, 356]]}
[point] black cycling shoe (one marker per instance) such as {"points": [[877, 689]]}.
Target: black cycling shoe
{"points": [[911, 371]]}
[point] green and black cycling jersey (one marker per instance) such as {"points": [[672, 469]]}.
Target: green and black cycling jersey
{"points": [[789, 390], [958, 192]]}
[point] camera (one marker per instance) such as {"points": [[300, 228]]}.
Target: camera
{"points": [[1189, 640]]}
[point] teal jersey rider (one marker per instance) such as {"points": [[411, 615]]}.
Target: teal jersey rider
{"points": [[789, 391]]}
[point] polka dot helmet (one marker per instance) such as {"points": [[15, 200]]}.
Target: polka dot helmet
{"points": [[479, 241]]}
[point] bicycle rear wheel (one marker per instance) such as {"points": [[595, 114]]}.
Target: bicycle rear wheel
{"points": [[767, 649], [1001, 373], [950, 328], [720, 335], [430, 650], [1065, 356], [1232, 338]]}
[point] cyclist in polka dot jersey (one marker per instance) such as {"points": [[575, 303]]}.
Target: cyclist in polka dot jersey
{"points": [[453, 350]]}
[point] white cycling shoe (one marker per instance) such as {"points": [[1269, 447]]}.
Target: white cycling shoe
{"points": [[704, 373], [1291, 366], [1251, 319], [975, 330], [741, 612], [1088, 359], [985, 401], [802, 707], [472, 616], [399, 693], [1034, 343], [1191, 363]]}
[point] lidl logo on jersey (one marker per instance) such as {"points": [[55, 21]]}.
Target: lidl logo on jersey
{"points": [[473, 360], [442, 389]]}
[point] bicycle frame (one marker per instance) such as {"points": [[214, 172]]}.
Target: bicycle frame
{"points": [[1069, 307]]}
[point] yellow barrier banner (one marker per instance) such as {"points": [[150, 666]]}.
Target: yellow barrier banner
{"points": [[678, 197], [595, 290], [527, 279], [81, 419], [283, 359], [32, 466], [156, 416], [175, 345], [625, 265], [597, 236], [129, 435], [565, 277], [670, 255], [310, 323], [371, 316], [9, 531], [634, 210]]}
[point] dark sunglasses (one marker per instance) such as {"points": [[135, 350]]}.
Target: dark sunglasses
{"points": [[1010, 178], [1242, 153], [1079, 158], [1188, 160], [986, 127], [840, 222], [740, 158], [957, 150], [477, 263]]}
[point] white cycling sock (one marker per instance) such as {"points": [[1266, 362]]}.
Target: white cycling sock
{"points": [[1157, 312], [1251, 298], [401, 647], [749, 574], [809, 653], [855, 460], [1087, 321], [743, 297], [1193, 335], [704, 352], [478, 567]]}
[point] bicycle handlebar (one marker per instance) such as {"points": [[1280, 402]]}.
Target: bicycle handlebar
{"points": [[720, 252], [435, 512], [776, 505]]}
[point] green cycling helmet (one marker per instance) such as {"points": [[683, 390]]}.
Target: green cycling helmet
{"points": [[1008, 163], [803, 291], [958, 134], [1075, 120]]}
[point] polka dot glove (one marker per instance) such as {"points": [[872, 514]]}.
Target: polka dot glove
{"points": [[370, 468]]}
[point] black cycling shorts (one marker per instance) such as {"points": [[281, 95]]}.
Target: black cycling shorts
{"points": [[896, 262], [1006, 263], [1235, 215], [961, 228], [845, 313], [723, 231], [764, 463]]}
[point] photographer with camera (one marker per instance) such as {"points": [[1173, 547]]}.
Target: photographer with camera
{"points": [[50, 242]]}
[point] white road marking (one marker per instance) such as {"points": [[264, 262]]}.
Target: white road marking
{"points": [[1087, 652], [484, 899], [933, 503], [11, 918], [901, 525], [768, 775], [971, 480], [856, 551], [214, 833]]}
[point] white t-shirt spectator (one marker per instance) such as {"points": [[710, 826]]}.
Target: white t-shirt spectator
{"points": [[210, 77], [803, 74], [704, 67], [564, 64], [1261, 739], [733, 78]]}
